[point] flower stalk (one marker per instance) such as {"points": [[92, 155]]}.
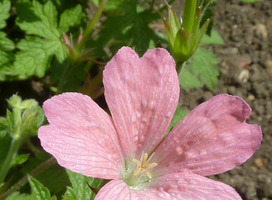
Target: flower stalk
{"points": [[15, 144]]}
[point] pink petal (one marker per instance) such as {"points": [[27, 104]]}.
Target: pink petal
{"points": [[142, 94], [118, 190], [81, 136], [173, 186], [212, 139], [189, 186]]}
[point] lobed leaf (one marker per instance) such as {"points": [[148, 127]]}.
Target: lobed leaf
{"points": [[37, 19], [200, 69]]}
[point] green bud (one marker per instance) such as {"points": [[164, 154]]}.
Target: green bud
{"points": [[186, 37], [24, 118], [14, 101], [32, 119]]}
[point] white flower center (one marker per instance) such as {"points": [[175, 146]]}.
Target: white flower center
{"points": [[136, 173]]}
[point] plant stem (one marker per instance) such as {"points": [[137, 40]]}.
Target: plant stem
{"points": [[189, 15], [15, 144], [90, 27], [24, 180]]}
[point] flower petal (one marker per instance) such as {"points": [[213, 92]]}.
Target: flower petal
{"points": [[212, 139], [189, 186], [173, 186], [118, 190], [142, 94], [81, 136]]}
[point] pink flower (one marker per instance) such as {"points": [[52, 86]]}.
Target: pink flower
{"points": [[129, 146]]}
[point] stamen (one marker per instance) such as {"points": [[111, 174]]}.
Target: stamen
{"points": [[144, 166]]}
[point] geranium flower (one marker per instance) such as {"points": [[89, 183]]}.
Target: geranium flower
{"points": [[130, 146]]}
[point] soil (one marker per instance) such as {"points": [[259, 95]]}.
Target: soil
{"points": [[245, 64]]}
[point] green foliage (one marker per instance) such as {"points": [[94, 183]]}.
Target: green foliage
{"points": [[55, 185], [4, 12], [37, 52], [71, 17], [80, 188], [200, 70], [44, 25], [18, 196], [6, 45]]}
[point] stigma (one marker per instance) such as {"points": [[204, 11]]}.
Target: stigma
{"points": [[143, 165]]}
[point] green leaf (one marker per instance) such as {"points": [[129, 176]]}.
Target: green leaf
{"points": [[71, 17], [200, 69], [214, 38], [6, 45], [250, 1], [187, 79], [80, 188], [180, 113], [38, 190], [69, 194], [36, 53], [4, 12], [113, 5], [47, 177], [129, 26], [33, 59], [18, 196], [37, 19], [20, 159]]}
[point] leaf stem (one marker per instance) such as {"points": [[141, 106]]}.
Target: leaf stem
{"points": [[15, 144], [24, 180], [90, 27]]}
